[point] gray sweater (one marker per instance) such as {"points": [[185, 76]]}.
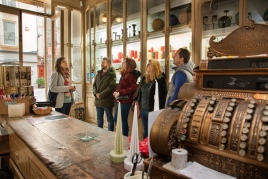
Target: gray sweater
{"points": [[57, 86], [187, 69]]}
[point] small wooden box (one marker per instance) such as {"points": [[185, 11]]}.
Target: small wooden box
{"points": [[28, 102], [12, 90], [4, 141]]}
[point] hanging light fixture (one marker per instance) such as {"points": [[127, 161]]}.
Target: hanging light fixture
{"points": [[118, 19], [104, 18]]}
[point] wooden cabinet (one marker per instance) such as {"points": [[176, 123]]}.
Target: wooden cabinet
{"points": [[119, 29], [23, 163], [18, 156]]}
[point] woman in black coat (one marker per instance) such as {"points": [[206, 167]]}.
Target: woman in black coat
{"points": [[145, 98]]}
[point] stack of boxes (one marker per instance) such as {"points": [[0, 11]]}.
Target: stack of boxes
{"points": [[15, 87], [16, 80]]}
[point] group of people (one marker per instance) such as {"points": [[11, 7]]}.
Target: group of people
{"points": [[106, 91]]}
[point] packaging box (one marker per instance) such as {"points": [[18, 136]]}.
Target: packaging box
{"points": [[23, 77], [16, 110], [30, 90], [28, 75], [23, 91], [12, 90], [4, 141], [28, 104]]}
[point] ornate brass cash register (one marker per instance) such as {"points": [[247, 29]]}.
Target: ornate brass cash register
{"points": [[222, 119]]}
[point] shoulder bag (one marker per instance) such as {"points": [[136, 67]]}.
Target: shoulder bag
{"points": [[52, 96]]}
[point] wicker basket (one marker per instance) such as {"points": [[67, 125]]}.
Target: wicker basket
{"points": [[42, 110]]}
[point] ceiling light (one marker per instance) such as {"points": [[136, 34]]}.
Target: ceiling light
{"points": [[104, 19], [119, 19]]}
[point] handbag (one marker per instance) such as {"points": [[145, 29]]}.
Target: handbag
{"points": [[52, 98], [125, 97]]}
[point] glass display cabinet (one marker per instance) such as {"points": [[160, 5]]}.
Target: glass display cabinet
{"points": [[156, 33], [219, 18], [163, 40], [117, 36], [76, 53], [180, 33], [100, 37], [133, 28]]}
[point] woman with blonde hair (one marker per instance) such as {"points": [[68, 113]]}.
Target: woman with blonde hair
{"points": [[145, 98]]}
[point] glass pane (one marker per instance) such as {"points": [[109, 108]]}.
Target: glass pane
{"points": [[258, 10], [9, 38], [78, 93], [155, 26], [76, 30], [117, 59], [101, 34], [92, 47], [101, 26], [180, 40], [133, 31], [9, 32], [49, 65], [76, 64], [76, 39], [156, 50], [33, 46], [33, 52], [180, 35], [88, 19], [156, 15], [117, 36], [36, 6], [180, 13], [219, 19], [88, 73], [57, 38]]}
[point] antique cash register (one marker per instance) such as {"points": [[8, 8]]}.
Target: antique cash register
{"points": [[222, 119]]}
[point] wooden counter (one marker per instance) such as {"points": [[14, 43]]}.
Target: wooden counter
{"points": [[43, 147]]}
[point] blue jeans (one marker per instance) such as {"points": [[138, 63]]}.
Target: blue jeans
{"points": [[144, 118], [124, 116], [65, 109], [109, 115]]}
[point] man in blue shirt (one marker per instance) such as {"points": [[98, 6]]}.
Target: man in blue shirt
{"points": [[183, 74]]}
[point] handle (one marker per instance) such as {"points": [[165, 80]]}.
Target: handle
{"points": [[17, 155]]}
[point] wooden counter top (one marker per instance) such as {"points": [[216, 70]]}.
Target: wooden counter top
{"points": [[56, 142]]}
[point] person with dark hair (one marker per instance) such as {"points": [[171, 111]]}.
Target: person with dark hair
{"points": [[103, 88], [60, 83], [125, 91], [183, 74], [145, 99]]}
